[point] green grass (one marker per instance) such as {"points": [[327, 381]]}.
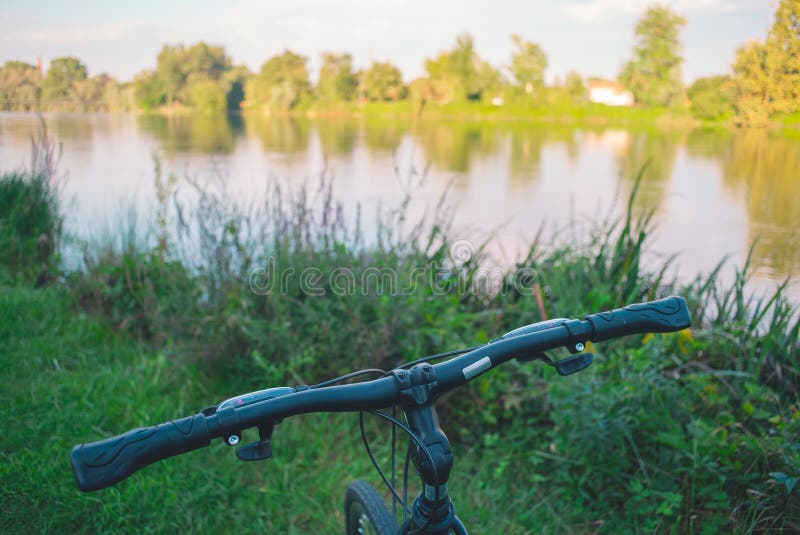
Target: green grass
{"points": [[692, 432], [791, 120], [514, 110]]}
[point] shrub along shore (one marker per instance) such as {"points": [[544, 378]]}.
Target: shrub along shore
{"points": [[687, 432]]}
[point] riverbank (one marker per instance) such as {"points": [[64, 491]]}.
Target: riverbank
{"points": [[694, 431], [407, 110], [512, 111], [589, 114], [583, 114]]}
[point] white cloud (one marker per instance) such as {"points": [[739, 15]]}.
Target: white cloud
{"points": [[79, 34], [593, 10]]}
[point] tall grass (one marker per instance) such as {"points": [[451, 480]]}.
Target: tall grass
{"points": [[194, 280], [756, 335], [30, 218]]}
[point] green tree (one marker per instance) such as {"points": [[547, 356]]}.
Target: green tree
{"points": [[87, 94], [20, 86], [528, 63], [713, 97], [383, 81], [169, 76], [573, 84], [61, 77], [424, 89], [460, 73], [179, 67], [783, 58], [767, 74], [119, 97], [654, 73], [207, 96], [148, 91], [67, 86], [281, 83], [337, 82], [210, 61], [752, 84]]}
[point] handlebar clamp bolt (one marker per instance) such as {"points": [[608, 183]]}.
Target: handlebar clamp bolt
{"points": [[233, 440], [579, 347]]}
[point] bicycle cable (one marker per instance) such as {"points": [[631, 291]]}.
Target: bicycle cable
{"points": [[428, 454], [366, 371], [422, 448], [437, 356], [365, 440], [405, 479], [331, 382], [394, 471]]}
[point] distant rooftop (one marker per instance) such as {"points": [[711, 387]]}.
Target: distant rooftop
{"points": [[604, 84]]}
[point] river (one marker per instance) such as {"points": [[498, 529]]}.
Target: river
{"points": [[714, 192]]}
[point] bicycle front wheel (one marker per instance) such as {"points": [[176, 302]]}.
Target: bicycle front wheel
{"points": [[365, 512]]}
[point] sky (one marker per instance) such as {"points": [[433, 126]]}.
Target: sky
{"points": [[592, 37]]}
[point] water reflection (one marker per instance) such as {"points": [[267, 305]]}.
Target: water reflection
{"points": [[527, 141], [451, 145], [279, 134], [766, 167], [708, 143], [656, 148], [384, 136], [209, 134], [526, 153], [338, 137]]}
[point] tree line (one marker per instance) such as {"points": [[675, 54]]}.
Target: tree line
{"points": [[67, 86], [765, 79]]}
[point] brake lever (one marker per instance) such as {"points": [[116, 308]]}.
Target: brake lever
{"points": [[261, 449], [566, 366], [574, 364]]}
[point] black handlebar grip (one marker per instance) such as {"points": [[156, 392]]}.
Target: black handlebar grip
{"points": [[662, 316], [97, 465]]}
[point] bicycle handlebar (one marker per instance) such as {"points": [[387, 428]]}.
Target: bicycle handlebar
{"points": [[97, 465], [665, 315], [100, 464]]}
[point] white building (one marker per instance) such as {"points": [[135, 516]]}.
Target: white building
{"points": [[609, 93]]}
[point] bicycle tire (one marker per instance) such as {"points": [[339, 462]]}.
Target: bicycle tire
{"points": [[365, 511]]}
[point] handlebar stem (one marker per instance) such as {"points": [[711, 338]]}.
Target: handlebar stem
{"points": [[424, 421], [433, 506]]}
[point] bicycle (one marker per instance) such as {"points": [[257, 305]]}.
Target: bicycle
{"points": [[414, 386]]}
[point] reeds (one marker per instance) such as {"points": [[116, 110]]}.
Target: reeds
{"points": [[30, 218]]}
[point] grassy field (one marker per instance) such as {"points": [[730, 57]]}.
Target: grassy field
{"points": [[515, 110], [692, 432]]}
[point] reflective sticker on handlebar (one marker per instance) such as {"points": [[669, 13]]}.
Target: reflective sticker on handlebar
{"points": [[477, 368]]}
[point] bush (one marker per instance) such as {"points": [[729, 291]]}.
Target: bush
{"points": [[141, 292], [207, 96], [713, 98], [30, 221]]}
